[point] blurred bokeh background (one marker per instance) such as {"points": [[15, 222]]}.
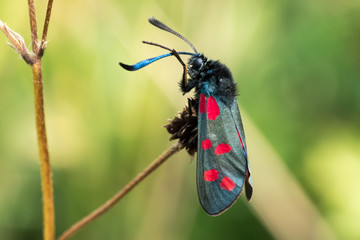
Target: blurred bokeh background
{"points": [[297, 65]]}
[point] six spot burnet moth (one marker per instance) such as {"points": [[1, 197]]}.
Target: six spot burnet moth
{"points": [[222, 163]]}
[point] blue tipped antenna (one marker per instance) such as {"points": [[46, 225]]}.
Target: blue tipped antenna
{"points": [[146, 62]]}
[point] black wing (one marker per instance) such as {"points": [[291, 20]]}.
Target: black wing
{"points": [[222, 165]]}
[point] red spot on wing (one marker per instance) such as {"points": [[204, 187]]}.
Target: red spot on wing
{"points": [[202, 103], [212, 109], [222, 148], [242, 145], [206, 144], [227, 184], [211, 175]]}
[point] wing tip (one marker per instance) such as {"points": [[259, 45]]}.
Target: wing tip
{"points": [[248, 190], [248, 186]]}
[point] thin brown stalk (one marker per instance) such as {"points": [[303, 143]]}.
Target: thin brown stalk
{"points": [[46, 26], [34, 59], [118, 196], [46, 178], [47, 20], [33, 26]]}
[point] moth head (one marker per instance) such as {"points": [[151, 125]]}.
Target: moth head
{"points": [[196, 65]]}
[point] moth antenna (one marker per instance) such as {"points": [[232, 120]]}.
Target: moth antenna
{"points": [[162, 26], [157, 45], [148, 61]]}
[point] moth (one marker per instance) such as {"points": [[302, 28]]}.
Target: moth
{"points": [[222, 163]]}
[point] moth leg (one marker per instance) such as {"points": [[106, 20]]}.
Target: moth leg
{"points": [[184, 84], [191, 106], [184, 78]]}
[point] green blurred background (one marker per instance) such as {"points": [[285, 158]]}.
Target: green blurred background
{"points": [[297, 65]]}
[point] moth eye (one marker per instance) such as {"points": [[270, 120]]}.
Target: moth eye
{"points": [[197, 64]]}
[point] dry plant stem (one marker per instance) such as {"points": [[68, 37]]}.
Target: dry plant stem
{"points": [[46, 178], [47, 20], [118, 196], [34, 60], [45, 167], [45, 30], [33, 26]]}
